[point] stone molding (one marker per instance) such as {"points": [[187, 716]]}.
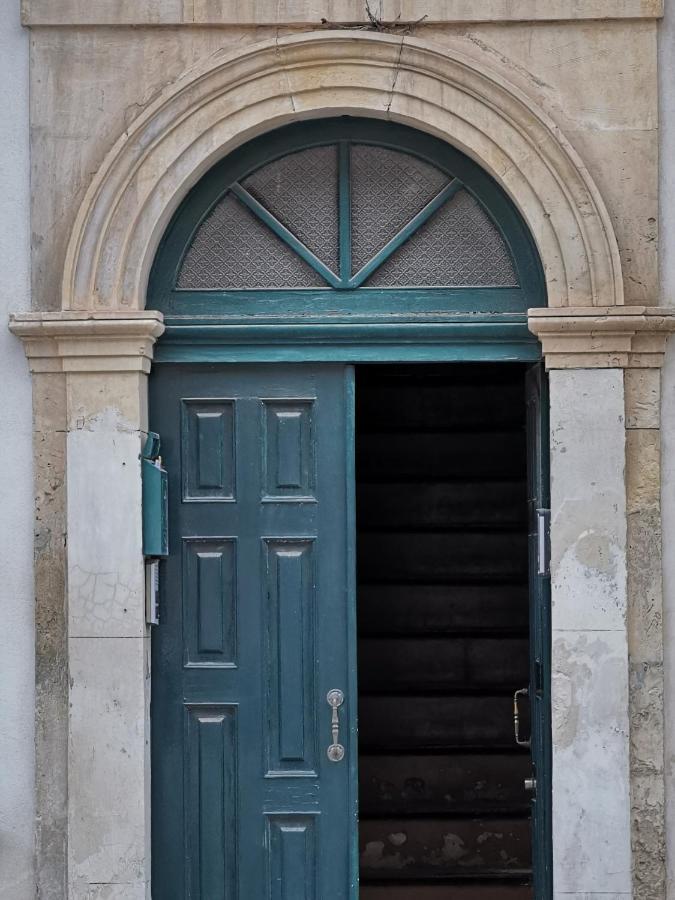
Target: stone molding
{"points": [[614, 337], [572, 338], [309, 12], [63, 342], [230, 98]]}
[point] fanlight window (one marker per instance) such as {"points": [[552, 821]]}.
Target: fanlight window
{"points": [[347, 215]]}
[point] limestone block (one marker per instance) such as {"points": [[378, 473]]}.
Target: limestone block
{"points": [[643, 469], [588, 525], [172, 12], [105, 565], [643, 398], [607, 109], [107, 768], [590, 738], [624, 164], [99, 80], [51, 651], [646, 713], [590, 672]]}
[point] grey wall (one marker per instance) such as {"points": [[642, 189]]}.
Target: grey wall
{"points": [[16, 514]]}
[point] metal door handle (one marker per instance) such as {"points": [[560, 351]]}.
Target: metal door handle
{"points": [[523, 692], [335, 699]]}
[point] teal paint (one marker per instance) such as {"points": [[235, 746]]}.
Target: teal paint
{"points": [[205, 744], [154, 482], [345, 212], [536, 389], [406, 232], [343, 297], [257, 602], [286, 236]]}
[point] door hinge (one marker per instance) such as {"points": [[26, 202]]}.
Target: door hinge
{"points": [[543, 541]]}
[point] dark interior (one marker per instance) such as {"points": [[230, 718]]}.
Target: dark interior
{"points": [[443, 631]]}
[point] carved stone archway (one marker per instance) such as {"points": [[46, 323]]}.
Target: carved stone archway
{"points": [[219, 105]]}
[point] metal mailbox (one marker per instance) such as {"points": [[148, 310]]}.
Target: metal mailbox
{"points": [[155, 500]]}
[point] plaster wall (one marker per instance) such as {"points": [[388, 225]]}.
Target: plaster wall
{"points": [[16, 492]]}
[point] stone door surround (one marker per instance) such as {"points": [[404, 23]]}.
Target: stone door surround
{"points": [[90, 363]]}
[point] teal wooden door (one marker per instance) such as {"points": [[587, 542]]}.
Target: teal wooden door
{"points": [[256, 628], [536, 391]]}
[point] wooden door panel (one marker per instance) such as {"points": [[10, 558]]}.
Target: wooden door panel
{"points": [[256, 622]]}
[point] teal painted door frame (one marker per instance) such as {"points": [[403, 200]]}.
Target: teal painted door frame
{"points": [[324, 329], [539, 501], [346, 320]]}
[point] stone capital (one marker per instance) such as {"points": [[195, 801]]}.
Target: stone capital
{"points": [[602, 337], [88, 342]]}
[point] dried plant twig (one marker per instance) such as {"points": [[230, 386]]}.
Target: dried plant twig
{"points": [[376, 24]]}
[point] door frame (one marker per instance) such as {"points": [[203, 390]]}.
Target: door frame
{"points": [[362, 325], [539, 593]]}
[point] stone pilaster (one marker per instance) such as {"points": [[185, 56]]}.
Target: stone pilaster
{"points": [[607, 340], [93, 649]]}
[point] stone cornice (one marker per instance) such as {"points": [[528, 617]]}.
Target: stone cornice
{"points": [[597, 337], [339, 12], [72, 342]]}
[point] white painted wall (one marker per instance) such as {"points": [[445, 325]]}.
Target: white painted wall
{"points": [[667, 298], [16, 490]]}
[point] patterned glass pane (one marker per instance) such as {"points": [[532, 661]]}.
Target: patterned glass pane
{"points": [[388, 188], [234, 250], [301, 190], [458, 247]]}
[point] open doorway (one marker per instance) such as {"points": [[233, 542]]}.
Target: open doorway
{"points": [[443, 631]]}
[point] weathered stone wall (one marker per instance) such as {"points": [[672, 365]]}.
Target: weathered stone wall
{"points": [[645, 630], [594, 72], [667, 286], [596, 79]]}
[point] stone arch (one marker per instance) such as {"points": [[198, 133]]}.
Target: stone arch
{"points": [[230, 98]]}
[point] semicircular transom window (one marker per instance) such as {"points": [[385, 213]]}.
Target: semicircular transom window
{"points": [[346, 215]]}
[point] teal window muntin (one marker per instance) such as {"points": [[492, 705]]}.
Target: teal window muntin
{"points": [[328, 289]]}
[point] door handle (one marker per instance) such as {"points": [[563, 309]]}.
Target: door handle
{"points": [[523, 692], [335, 699]]}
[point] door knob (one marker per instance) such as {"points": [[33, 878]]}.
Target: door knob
{"points": [[335, 699], [530, 784]]}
